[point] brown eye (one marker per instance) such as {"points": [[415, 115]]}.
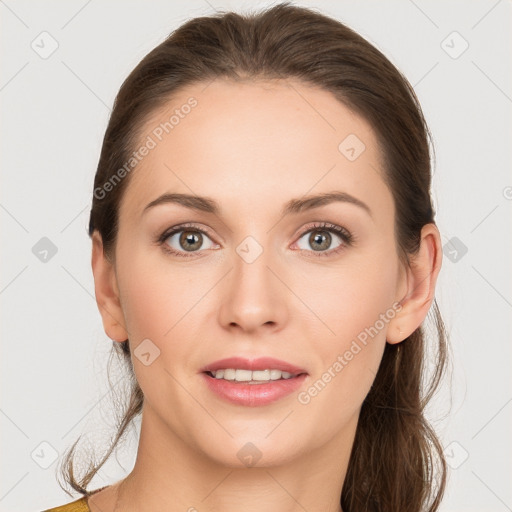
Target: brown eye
{"points": [[319, 240], [180, 241]]}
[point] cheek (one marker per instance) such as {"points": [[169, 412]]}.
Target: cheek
{"points": [[167, 303], [355, 305], [158, 301], [155, 293], [148, 309], [350, 298]]}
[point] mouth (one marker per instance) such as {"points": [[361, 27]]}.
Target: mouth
{"points": [[253, 382]]}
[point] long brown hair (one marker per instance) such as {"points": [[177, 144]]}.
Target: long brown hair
{"points": [[397, 460]]}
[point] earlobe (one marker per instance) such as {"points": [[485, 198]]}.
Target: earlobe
{"points": [[107, 292], [421, 281]]}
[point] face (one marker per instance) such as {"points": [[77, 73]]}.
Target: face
{"points": [[312, 285]]}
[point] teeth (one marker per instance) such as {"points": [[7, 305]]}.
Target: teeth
{"points": [[261, 374], [275, 374], [229, 374], [250, 376]]}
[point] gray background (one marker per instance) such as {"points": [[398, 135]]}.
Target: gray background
{"points": [[54, 112]]}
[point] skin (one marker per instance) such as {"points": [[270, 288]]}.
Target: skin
{"points": [[290, 304]]}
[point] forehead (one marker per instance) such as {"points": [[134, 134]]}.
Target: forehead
{"points": [[248, 142]]}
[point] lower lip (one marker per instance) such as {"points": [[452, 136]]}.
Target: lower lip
{"points": [[253, 395]]}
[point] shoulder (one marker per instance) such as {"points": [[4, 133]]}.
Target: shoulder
{"points": [[79, 505]]}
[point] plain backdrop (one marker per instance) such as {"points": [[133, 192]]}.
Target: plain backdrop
{"points": [[62, 64]]}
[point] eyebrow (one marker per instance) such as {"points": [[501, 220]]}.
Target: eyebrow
{"points": [[293, 206]]}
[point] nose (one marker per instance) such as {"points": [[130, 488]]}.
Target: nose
{"points": [[253, 297]]}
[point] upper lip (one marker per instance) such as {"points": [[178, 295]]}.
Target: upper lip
{"points": [[260, 363]]}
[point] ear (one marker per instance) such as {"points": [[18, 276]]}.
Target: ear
{"points": [[107, 292], [420, 281]]}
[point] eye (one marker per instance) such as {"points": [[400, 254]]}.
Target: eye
{"points": [[188, 240], [181, 240], [320, 239]]}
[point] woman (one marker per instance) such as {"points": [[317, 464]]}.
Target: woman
{"points": [[264, 256]]}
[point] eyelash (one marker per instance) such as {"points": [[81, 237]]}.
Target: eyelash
{"points": [[344, 234]]}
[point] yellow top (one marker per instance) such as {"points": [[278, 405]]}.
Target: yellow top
{"points": [[79, 505]]}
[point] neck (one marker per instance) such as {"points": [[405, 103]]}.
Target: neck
{"points": [[174, 476]]}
